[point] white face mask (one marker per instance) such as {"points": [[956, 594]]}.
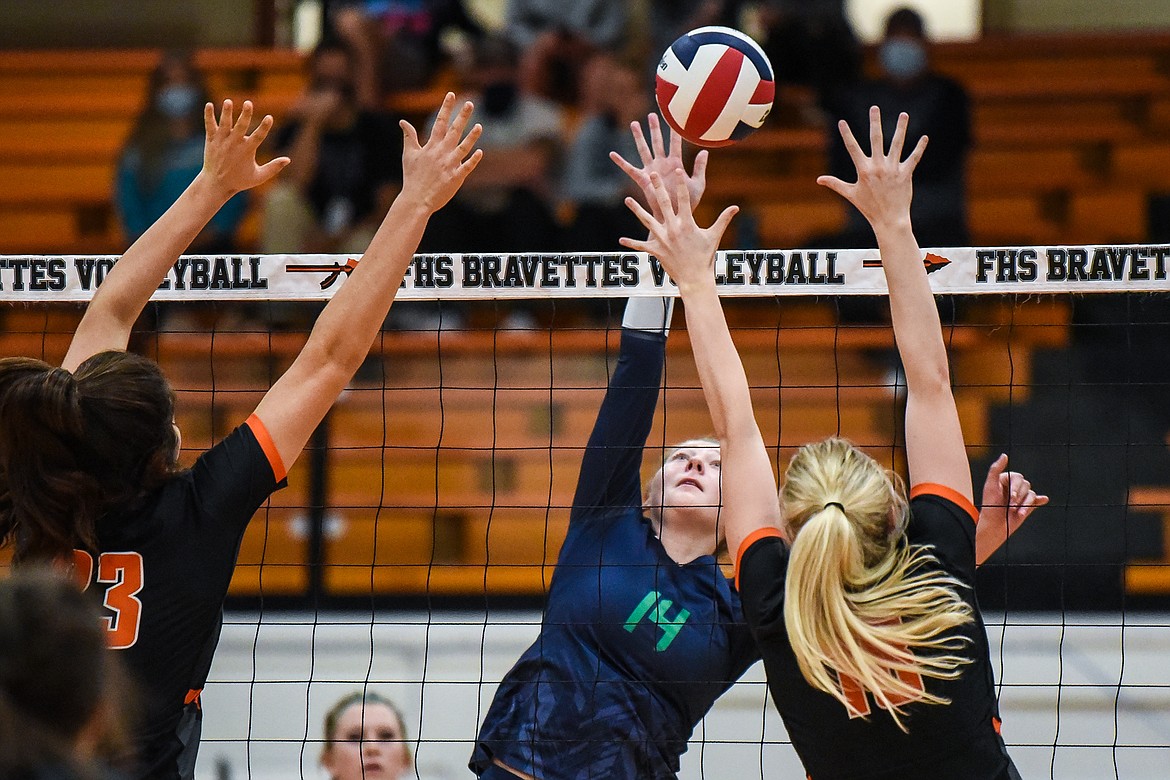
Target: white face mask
{"points": [[902, 58], [176, 100]]}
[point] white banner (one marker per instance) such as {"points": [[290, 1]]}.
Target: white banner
{"points": [[966, 270]]}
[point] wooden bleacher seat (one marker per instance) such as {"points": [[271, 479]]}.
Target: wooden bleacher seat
{"points": [[1151, 577]]}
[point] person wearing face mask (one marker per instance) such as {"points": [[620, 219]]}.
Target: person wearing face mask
{"points": [[507, 207], [346, 165], [938, 108], [164, 154]]}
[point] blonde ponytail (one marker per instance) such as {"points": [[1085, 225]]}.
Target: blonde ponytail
{"points": [[858, 602]]}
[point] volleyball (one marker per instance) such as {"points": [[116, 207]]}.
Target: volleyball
{"points": [[714, 86]]}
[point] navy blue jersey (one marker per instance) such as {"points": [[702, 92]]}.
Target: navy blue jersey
{"points": [[958, 741], [165, 570], [634, 648]]}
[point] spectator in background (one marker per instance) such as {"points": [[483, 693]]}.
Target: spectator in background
{"points": [[399, 44], [505, 206], [557, 38], [671, 18], [812, 48], [346, 165], [613, 96], [365, 738], [58, 682], [938, 108], [165, 152]]}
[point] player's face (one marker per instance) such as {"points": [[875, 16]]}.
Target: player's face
{"points": [[691, 476], [367, 747]]}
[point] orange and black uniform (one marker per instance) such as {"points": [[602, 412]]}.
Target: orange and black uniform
{"points": [[959, 741], [164, 570]]}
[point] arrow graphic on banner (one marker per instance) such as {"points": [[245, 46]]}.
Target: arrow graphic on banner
{"points": [[335, 270], [932, 262]]}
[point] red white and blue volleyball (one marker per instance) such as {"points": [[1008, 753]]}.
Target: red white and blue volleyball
{"points": [[715, 86]]}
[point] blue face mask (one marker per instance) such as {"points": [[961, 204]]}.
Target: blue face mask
{"points": [[902, 58], [177, 100]]}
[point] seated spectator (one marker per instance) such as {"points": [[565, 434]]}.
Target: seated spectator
{"points": [[594, 188], [365, 737], [165, 152], [400, 44], [346, 165], [505, 206], [58, 682], [557, 38], [668, 19], [813, 52], [938, 107]]}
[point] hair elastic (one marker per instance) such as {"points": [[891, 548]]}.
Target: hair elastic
{"points": [[833, 503]]}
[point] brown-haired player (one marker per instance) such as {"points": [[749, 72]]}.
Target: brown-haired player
{"points": [[88, 451]]}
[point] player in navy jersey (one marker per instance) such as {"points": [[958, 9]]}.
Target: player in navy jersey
{"points": [[88, 451], [642, 632], [861, 602]]}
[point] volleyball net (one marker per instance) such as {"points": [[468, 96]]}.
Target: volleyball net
{"points": [[412, 549]]}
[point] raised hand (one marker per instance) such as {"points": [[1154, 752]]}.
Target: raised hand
{"points": [[655, 159], [1008, 500], [884, 188], [229, 151], [686, 251], [433, 172]]}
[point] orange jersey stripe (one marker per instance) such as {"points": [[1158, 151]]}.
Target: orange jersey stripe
{"points": [[751, 539], [950, 494], [266, 444]]}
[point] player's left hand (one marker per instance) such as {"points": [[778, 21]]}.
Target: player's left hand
{"points": [[433, 172], [686, 251], [668, 165], [884, 185], [229, 150]]}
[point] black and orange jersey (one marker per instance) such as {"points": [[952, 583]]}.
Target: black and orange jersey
{"points": [[163, 572], [958, 741]]}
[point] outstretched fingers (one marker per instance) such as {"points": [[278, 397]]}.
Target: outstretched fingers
{"points": [[656, 144], [877, 144], [461, 119], [842, 188], [644, 216], [261, 132], [409, 135], [641, 145], [469, 140], [240, 128], [899, 138], [722, 223], [443, 118], [209, 125], [225, 118], [916, 155], [851, 144]]}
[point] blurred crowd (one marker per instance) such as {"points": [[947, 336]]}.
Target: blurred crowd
{"points": [[556, 87]]}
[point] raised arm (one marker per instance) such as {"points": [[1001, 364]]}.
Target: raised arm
{"points": [[229, 166], [344, 331], [688, 252], [934, 439], [610, 468]]}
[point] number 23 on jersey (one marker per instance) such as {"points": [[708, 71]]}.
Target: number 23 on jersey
{"points": [[121, 574]]}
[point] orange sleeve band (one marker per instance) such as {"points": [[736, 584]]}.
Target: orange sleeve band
{"points": [[266, 444], [193, 697], [950, 494], [749, 540]]}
